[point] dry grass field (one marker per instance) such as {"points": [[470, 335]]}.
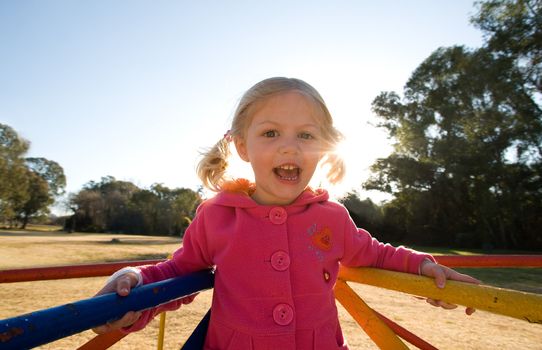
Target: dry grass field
{"points": [[444, 329]]}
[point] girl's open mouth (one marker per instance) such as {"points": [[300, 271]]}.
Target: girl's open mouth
{"points": [[287, 172]]}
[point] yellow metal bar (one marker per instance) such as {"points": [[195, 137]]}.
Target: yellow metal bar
{"points": [[162, 328], [161, 331], [375, 328], [521, 305]]}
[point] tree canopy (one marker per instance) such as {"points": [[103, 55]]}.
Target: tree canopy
{"points": [[468, 139], [27, 185], [119, 206], [513, 29]]}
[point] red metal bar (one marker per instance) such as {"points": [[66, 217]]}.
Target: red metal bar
{"points": [[71, 271], [490, 260], [406, 334], [103, 341], [105, 269]]}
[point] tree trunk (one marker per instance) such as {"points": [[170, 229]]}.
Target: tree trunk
{"points": [[25, 222]]}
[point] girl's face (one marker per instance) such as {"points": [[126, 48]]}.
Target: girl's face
{"points": [[283, 144]]}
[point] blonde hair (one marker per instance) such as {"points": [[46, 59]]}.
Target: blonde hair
{"points": [[212, 167]]}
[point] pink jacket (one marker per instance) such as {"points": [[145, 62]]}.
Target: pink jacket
{"points": [[275, 269]]}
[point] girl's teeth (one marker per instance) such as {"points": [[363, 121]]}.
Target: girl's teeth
{"points": [[287, 172]]}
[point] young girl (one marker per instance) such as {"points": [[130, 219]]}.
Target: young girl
{"points": [[276, 243]]}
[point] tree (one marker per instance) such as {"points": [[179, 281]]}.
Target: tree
{"points": [[365, 213], [173, 207], [13, 182], [144, 209], [467, 150], [119, 206], [184, 208], [88, 207], [27, 185], [513, 29], [45, 181], [38, 199], [51, 172], [101, 207]]}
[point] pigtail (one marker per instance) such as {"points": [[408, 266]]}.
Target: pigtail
{"points": [[332, 160], [337, 168], [212, 167]]}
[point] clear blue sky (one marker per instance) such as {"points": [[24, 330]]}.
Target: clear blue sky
{"points": [[134, 89]]}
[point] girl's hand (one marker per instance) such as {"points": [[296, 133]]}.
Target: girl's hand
{"points": [[442, 273], [122, 286]]}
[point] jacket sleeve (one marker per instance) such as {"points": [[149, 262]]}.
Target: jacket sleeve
{"points": [[191, 257], [361, 249]]}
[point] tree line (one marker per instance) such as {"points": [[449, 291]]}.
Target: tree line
{"points": [[467, 161], [29, 186], [120, 206]]}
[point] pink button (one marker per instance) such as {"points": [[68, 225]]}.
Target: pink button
{"points": [[278, 215], [283, 314], [280, 260]]}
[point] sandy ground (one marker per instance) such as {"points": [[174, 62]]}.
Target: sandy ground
{"points": [[444, 329]]}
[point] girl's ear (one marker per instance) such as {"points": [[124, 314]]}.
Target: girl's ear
{"points": [[241, 147]]}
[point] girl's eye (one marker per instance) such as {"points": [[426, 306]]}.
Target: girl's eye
{"points": [[306, 136], [270, 133]]}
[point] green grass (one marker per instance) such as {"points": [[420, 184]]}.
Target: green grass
{"points": [[523, 279], [454, 251]]}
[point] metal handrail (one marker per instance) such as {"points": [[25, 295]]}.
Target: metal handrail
{"points": [[48, 325], [44, 326], [521, 305], [68, 271], [106, 269]]}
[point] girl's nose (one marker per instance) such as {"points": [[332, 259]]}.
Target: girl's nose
{"points": [[289, 145]]}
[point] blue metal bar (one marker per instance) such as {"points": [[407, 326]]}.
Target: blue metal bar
{"points": [[44, 326]]}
